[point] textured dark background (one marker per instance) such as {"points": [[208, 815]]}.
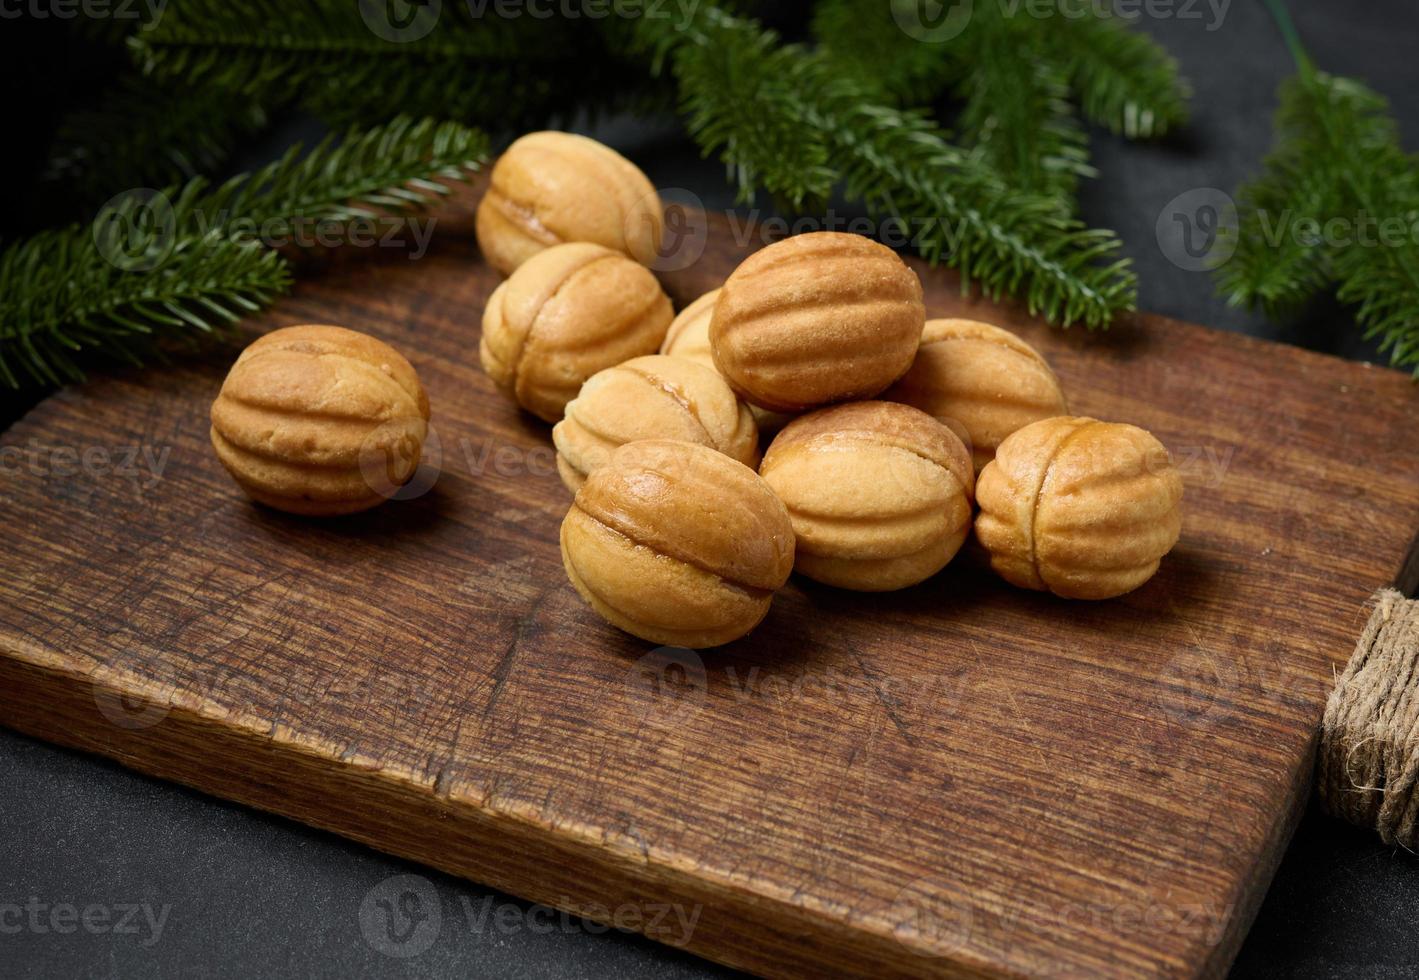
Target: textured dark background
{"points": [[248, 895]]}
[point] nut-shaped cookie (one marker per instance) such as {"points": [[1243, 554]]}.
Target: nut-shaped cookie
{"points": [[652, 397], [320, 420], [879, 493], [565, 314], [982, 381], [816, 318], [677, 544], [688, 337], [1078, 507], [549, 188]]}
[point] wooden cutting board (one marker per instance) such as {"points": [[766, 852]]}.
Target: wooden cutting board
{"points": [[958, 778]]}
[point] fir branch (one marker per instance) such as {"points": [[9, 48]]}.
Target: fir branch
{"points": [[1337, 164], [1277, 264], [765, 147], [63, 298], [178, 267], [897, 162], [1017, 111], [255, 44], [861, 37], [1125, 81], [500, 73], [961, 214], [1381, 274], [389, 169], [146, 133]]}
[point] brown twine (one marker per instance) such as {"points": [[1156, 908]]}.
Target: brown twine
{"points": [[1368, 765]]}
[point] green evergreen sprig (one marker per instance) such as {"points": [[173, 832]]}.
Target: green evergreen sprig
{"points": [[1336, 204], [953, 204], [960, 213], [741, 96], [1017, 111], [862, 39], [64, 299], [183, 265], [338, 59], [1017, 68], [1124, 80]]}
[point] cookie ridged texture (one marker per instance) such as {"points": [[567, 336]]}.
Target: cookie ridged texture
{"points": [[688, 337], [982, 381], [320, 420], [550, 188], [814, 319], [652, 397], [1078, 507], [564, 315], [879, 493], [677, 543]]}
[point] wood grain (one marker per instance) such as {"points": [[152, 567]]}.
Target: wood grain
{"points": [[957, 778]]}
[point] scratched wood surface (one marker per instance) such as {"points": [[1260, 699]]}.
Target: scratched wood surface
{"points": [[957, 778]]}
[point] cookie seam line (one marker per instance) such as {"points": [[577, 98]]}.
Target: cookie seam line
{"points": [[1039, 492], [678, 397], [521, 358], [636, 542], [886, 445], [1029, 353], [248, 356], [523, 217]]}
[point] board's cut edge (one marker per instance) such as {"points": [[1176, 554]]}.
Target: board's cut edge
{"points": [[60, 705]]}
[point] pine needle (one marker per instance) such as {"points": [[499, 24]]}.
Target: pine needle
{"points": [[177, 267]]}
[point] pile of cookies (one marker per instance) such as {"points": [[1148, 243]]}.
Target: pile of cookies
{"points": [[882, 432]]}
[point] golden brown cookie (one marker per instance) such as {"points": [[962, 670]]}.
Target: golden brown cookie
{"points": [[1078, 507], [677, 544], [688, 337], [550, 188], [982, 381], [320, 420], [652, 397], [879, 493], [565, 314], [816, 318]]}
